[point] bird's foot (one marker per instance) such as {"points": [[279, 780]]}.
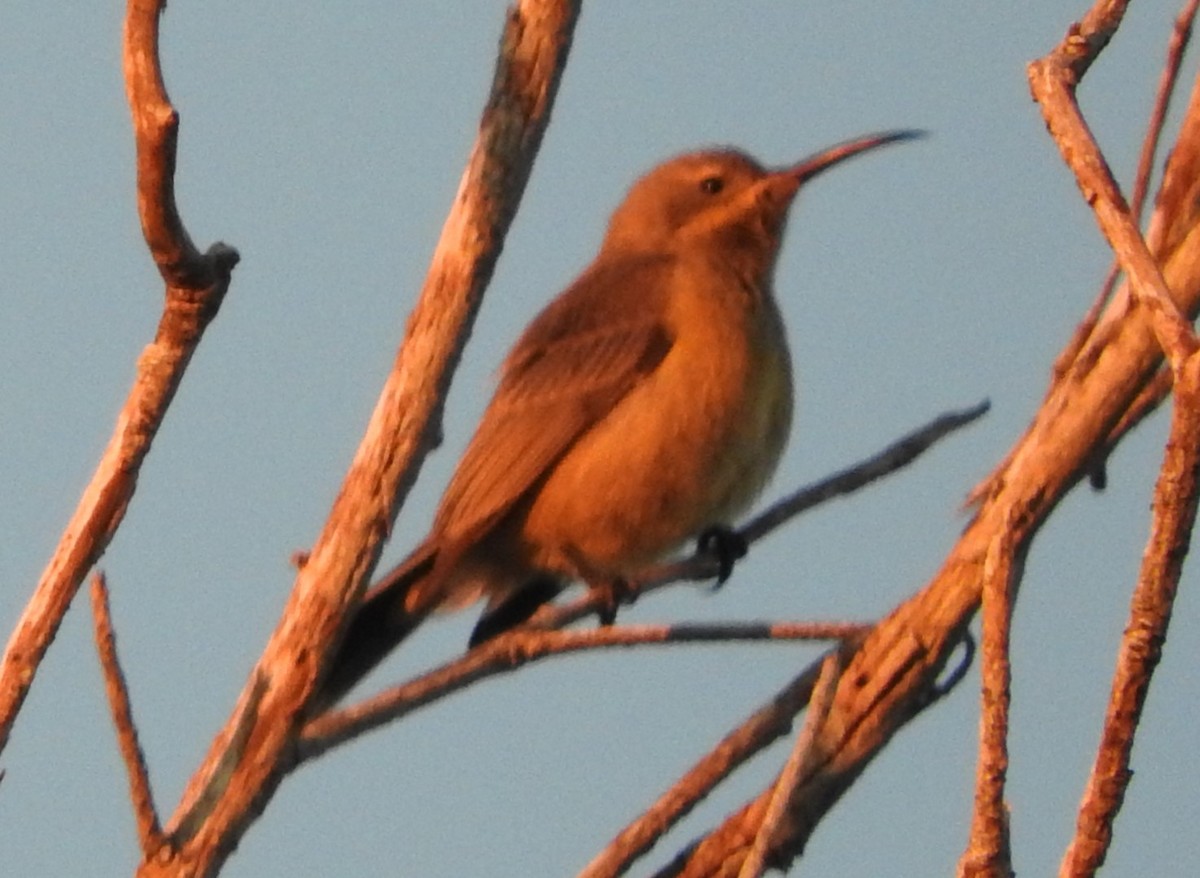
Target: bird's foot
{"points": [[723, 544]]}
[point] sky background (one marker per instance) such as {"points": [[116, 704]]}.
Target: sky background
{"points": [[325, 142]]}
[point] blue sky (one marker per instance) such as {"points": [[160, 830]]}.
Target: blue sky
{"points": [[325, 143]]}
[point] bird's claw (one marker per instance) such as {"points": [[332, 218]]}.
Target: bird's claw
{"points": [[725, 545]]}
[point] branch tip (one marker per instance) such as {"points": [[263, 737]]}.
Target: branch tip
{"points": [[150, 833]]}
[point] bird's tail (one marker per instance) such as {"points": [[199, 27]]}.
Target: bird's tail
{"points": [[387, 615]]}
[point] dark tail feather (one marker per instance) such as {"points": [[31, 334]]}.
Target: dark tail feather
{"points": [[515, 609], [379, 626]]}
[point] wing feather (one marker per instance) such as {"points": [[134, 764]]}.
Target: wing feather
{"points": [[577, 360]]}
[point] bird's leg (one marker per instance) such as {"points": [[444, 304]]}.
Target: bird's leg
{"points": [[613, 591], [725, 546]]}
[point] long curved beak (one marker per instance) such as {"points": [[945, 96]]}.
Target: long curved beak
{"points": [[827, 158]]}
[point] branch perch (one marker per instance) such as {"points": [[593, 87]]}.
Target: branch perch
{"points": [[522, 646], [701, 567]]}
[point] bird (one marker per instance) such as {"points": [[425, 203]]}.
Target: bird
{"points": [[647, 405]]}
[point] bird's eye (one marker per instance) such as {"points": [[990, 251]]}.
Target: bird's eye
{"points": [[711, 185]]}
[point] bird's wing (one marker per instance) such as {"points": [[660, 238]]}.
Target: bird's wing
{"points": [[574, 363]]}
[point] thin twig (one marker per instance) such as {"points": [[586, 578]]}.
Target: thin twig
{"points": [[517, 648], [891, 459], [1175, 501], [1181, 34], [987, 854], [827, 772], [1165, 230], [1083, 331], [795, 768], [150, 834], [195, 287]]}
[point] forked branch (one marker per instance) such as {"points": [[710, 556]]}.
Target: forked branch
{"points": [[195, 286]]}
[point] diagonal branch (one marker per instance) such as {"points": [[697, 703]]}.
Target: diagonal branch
{"points": [[195, 286], [340, 726], [701, 565], [1181, 36]]}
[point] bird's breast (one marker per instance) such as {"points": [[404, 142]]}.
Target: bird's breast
{"points": [[744, 386]]}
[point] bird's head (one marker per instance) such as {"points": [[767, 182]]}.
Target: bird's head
{"points": [[722, 198]]}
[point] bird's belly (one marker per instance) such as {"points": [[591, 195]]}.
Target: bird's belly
{"points": [[690, 447]]}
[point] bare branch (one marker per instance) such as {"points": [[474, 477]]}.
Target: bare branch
{"points": [[700, 566], [1175, 499], [1062, 363], [150, 834], [987, 854], [1173, 236], [818, 785], [337, 727], [1176, 211], [195, 286], [1144, 404], [519, 647], [894, 457]]}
